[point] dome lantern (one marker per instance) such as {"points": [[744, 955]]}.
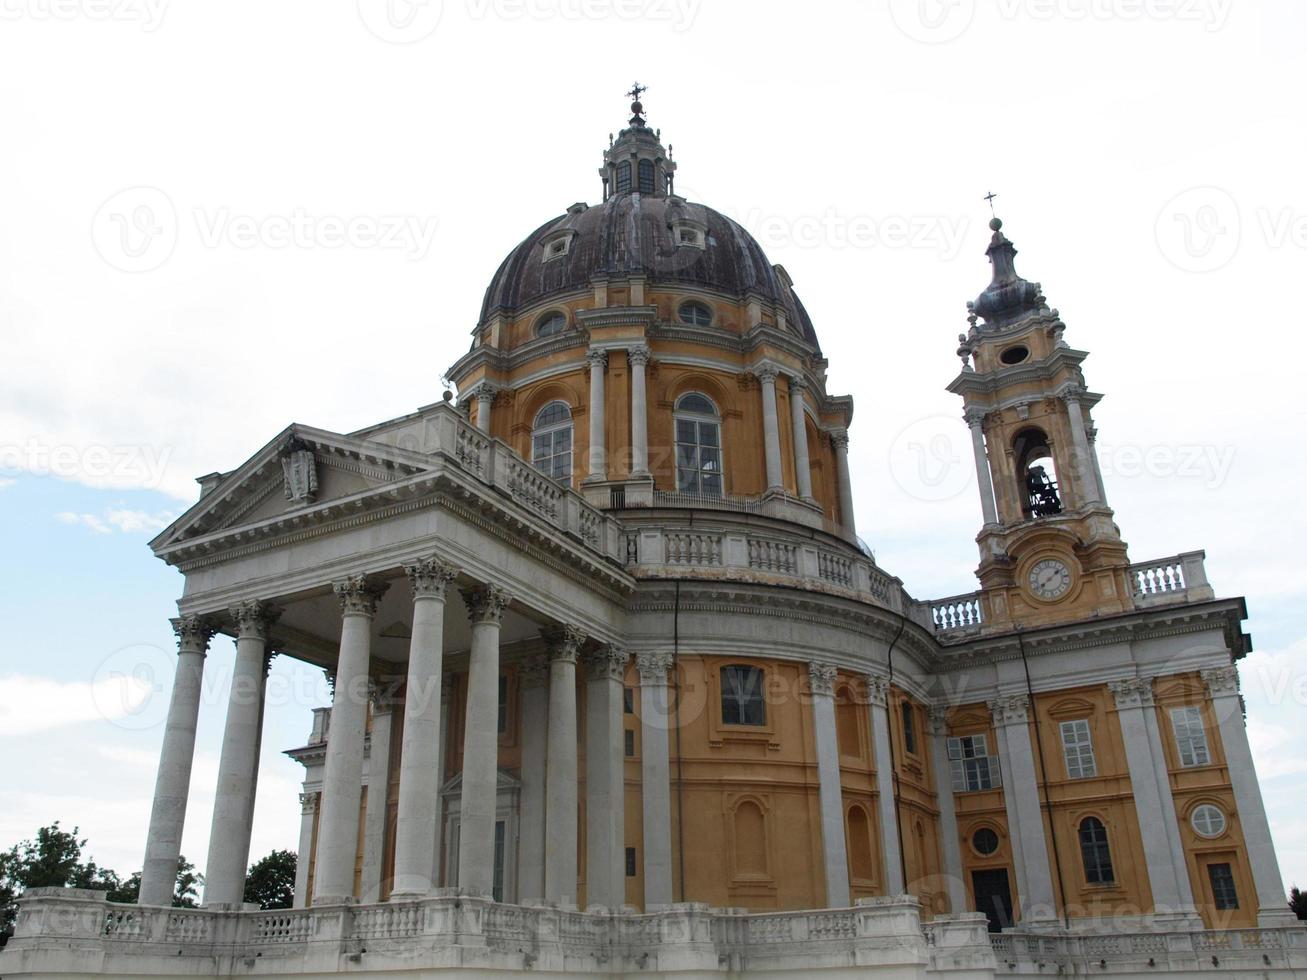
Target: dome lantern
{"points": [[636, 162]]}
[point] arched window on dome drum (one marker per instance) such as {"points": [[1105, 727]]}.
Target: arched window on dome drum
{"points": [[550, 324], [551, 441], [623, 176], [646, 177], [1095, 852], [698, 446]]}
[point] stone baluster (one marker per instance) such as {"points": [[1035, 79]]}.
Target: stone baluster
{"points": [[564, 645], [821, 683]]}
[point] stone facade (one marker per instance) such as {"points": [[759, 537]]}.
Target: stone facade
{"points": [[618, 690]]}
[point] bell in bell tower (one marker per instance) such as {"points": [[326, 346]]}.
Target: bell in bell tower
{"points": [[1050, 550]]}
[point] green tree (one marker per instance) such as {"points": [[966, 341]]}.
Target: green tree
{"points": [[1298, 902], [271, 881], [52, 860], [184, 895]]}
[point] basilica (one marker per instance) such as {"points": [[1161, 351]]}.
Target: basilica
{"points": [[617, 689]]}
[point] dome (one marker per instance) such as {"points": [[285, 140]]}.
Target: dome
{"points": [[634, 233]]}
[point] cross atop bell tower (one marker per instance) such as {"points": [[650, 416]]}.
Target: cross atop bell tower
{"points": [[636, 161], [1049, 547]]}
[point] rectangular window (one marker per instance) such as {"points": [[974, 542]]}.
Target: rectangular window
{"points": [[972, 767], [629, 744], [503, 704], [1190, 738], [630, 862], [628, 701], [742, 702], [909, 729], [1078, 750], [1223, 893]]}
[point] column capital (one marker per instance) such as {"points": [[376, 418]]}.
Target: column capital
{"points": [[821, 679], [308, 803], [1010, 709], [486, 604], [840, 440], [484, 391], [429, 576], [563, 642], [1132, 692], [533, 672], [938, 719], [639, 355], [358, 595], [608, 664], [193, 634], [254, 619], [797, 383], [877, 689], [1073, 393], [1221, 681], [765, 373], [653, 668], [975, 417], [597, 358]]}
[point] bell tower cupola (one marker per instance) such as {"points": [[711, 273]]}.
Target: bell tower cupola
{"points": [[1049, 547], [636, 162]]}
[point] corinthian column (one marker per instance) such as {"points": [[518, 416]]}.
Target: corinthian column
{"points": [[560, 779], [802, 467], [771, 431], [476, 836], [1086, 483], [342, 777], [948, 821], [598, 468], [238, 765], [878, 705], [419, 769], [821, 681], [975, 421], [1223, 688], [605, 783], [308, 812], [840, 440], [655, 777], [533, 682], [173, 784], [485, 396], [639, 357]]}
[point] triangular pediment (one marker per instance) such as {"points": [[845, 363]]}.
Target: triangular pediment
{"points": [[506, 781], [301, 469]]}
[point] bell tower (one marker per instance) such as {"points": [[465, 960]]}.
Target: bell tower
{"points": [[1049, 548]]}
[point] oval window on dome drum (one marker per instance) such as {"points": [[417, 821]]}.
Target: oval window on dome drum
{"points": [[698, 445], [551, 441], [695, 313], [551, 323]]}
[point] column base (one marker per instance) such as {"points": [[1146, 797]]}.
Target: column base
{"points": [[321, 901], [1182, 920], [1273, 918]]}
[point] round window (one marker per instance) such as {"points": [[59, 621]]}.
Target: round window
{"points": [[985, 841], [1014, 355], [550, 324], [696, 313], [1207, 821]]}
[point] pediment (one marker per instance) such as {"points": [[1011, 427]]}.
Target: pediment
{"points": [[506, 782], [301, 469]]}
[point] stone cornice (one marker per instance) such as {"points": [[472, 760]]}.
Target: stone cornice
{"points": [[1062, 358], [618, 316]]}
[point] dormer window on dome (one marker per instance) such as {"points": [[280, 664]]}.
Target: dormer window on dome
{"points": [[689, 233], [558, 245]]}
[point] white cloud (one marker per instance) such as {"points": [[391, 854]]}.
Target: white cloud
{"points": [[34, 704], [6, 482], [126, 521]]}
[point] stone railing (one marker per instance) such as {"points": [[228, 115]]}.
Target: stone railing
{"points": [[957, 614], [68, 931], [749, 552], [1222, 952], [1180, 578], [495, 463]]}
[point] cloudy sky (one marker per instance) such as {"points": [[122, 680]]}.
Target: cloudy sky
{"points": [[217, 219]]}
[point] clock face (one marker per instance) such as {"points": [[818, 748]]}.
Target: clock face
{"points": [[1050, 579]]}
